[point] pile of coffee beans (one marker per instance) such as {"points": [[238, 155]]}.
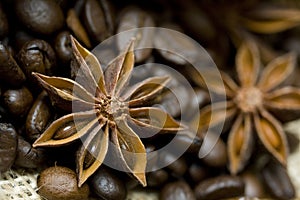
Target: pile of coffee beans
{"points": [[35, 37]]}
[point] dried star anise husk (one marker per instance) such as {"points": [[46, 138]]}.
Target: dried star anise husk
{"points": [[251, 104], [103, 112]]}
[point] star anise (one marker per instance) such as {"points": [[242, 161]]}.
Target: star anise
{"points": [[102, 112], [252, 105]]}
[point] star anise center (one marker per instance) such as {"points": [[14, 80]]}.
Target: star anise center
{"points": [[111, 107], [248, 99]]}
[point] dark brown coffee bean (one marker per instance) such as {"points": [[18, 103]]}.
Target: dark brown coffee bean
{"points": [[157, 178], [18, 101], [37, 56], [187, 141], [3, 23], [253, 185], [29, 157], [63, 47], [61, 183], [177, 191], [8, 146], [10, 72], [99, 19], [174, 46], [108, 186], [217, 156], [220, 187], [135, 18], [178, 167], [20, 38], [40, 16], [38, 117], [278, 181], [197, 172]]}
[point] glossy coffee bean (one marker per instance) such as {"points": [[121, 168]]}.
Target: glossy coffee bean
{"points": [[38, 117], [37, 56], [99, 19], [135, 18], [178, 167], [187, 141], [40, 16], [253, 185], [29, 157], [217, 156], [63, 47], [10, 72], [18, 101], [107, 185], [197, 172], [61, 183], [177, 191], [8, 146], [157, 178], [3, 23], [220, 187], [277, 181]]}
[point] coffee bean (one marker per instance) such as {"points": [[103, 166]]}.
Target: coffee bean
{"points": [[135, 18], [178, 167], [174, 46], [8, 146], [40, 16], [253, 185], [157, 178], [108, 186], [37, 56], [29, 157], [277, 181], [187, 141], [220, 187], [177, 191], [63, 48], [99, 19], [10, 72], [217, 156], [197, 172], [4, 28], [38, 117], [61, 183], [18, 101]]}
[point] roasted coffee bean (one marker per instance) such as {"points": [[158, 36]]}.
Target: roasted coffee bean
{"points": [[217, 156], [135, 18], [277, 181], [29, 157], [107, 185], [40, 16], [20, 38], [157, 178], [10, 72], [99, 19], [37, 56], [187, 141], [178, 167], [220, 187], [77, 28], [253, 185], [61, 183], [18, 101], [197, 172], [38, 117], [177, 191], [4, 28], [63, 47], [8, 146], [174, 46]]}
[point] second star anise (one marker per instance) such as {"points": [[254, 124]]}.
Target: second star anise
{"points": [[102, 111], [252, 105]]}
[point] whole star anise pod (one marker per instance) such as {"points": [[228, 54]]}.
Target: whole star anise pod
{"points": [[102, 112], [251, 105]]}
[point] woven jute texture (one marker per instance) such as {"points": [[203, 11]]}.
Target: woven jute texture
{"points": [[21, 184]]}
